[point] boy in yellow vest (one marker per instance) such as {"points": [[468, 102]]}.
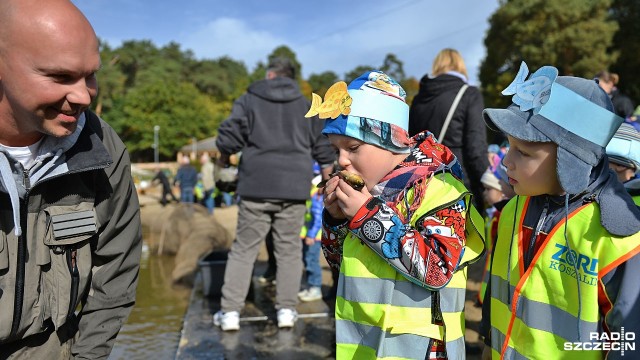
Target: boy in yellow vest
{"points": [[564, 274], [399, 242]]}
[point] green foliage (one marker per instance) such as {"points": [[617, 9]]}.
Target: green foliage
{"points": [[359, 70], [142, 86], [627, 41], [181, 111], [411, 86], [572, 35], [320, 83], [259, 73], [223, 79], [393, 67], [111, 80]]}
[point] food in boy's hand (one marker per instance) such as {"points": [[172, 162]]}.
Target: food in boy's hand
{"points": [[354, 180]]}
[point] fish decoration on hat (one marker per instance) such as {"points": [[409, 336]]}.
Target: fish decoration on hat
{"points": [[532, 93], [336, 102]]}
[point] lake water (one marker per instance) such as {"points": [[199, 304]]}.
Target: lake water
{"points": [[153, 328]]}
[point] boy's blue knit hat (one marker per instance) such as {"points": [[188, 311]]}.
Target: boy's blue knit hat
{"points": [[624, 148], [572, 112], [371, 109]]}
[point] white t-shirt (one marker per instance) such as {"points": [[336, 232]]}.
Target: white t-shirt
{"points": [[26, 155]]}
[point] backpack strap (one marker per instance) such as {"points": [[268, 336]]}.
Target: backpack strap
{"points": [[453, 108]]}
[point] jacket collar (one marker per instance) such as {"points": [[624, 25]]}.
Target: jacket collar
{"points": [[618, 213], [82, 150]]}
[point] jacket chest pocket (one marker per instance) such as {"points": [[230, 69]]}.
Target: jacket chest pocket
{"points": [[66, 258]]}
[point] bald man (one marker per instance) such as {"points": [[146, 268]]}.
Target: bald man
{"points": [[70, 236]]}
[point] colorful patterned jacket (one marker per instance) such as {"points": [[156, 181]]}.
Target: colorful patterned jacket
{"points": [[438, 241]]}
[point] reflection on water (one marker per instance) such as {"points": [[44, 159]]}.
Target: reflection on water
{"points": [[153, 329]]}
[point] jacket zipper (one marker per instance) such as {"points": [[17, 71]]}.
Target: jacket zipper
{"points": [[534, 236], [22, 239], [21, 263], [75, 280], [420, 228]]}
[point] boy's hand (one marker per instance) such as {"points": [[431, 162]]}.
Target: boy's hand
{"points": [[331, 199], [350, 200], [309, 241]]}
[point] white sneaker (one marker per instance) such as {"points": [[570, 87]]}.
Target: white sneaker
{"points": [[227, 321], [287, 318], [268, 279], [311, 294]]}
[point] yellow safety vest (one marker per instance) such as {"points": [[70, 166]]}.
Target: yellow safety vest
{"points": [[374, 298], [490, 224], [534, 313]]}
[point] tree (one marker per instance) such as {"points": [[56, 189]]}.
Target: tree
{"points": [[259, 72], [111, 80], [134, 56], [393, 67], [179, 108], [223, 79], [627, 42], [411, 86], [320, 83], [359, 70], [572, 35]]}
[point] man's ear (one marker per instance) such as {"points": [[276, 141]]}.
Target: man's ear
{"points": [[270, 75]]}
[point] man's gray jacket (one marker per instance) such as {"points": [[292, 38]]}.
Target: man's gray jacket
{"points": [[70, 239], [278, 143]]}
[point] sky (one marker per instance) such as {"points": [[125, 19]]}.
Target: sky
{"points": [[328, 35]]}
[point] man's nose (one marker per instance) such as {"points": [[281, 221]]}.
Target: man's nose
{"points": [[82, 92]]}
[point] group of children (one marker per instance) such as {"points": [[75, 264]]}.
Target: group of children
{"points": [[562, 247], [561, 234]]}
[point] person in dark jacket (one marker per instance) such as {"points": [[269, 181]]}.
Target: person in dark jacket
{"points": [[466, 135], [186, 178], [278, 147], [166, 187], [622, 104], [70, 233]]}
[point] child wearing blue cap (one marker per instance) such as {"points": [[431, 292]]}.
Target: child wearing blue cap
{"points": [[565, 264], [401, 242], [624, 159]]}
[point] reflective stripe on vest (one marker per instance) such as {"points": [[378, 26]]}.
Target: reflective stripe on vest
{"points": [[379, 313], [365, 290], [534, 313], [411, 346], [556, 320]]}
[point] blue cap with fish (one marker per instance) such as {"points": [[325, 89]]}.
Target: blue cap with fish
{"points": [[551, 108], [371, 109]]}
